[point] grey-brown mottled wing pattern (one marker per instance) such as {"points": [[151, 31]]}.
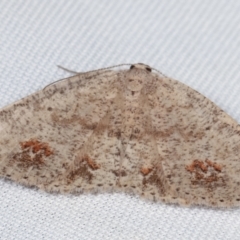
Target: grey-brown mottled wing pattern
{"points": [[199, 145], [129, 130], [52, 138]]}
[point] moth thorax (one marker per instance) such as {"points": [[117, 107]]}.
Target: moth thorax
{"points": [[134, 83]]}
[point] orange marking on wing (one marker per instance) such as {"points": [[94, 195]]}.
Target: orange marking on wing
{"points": [[145, 171], [37, 146], [206, 172], [216, 166], [197, 164], [32, 154], [91, 163]]}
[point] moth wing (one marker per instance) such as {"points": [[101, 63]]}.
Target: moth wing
{"points": [[198, 146], [47, 137]]}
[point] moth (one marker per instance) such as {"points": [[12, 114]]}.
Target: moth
{"points": [[132, 130]]}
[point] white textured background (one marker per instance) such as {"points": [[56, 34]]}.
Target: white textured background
{"points": [[196, 42]]}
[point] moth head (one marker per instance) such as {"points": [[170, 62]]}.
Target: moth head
{"points": [[141, 66], [138, 76]]}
